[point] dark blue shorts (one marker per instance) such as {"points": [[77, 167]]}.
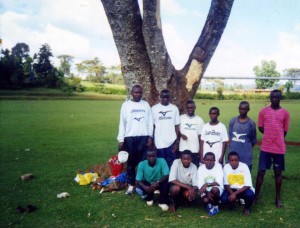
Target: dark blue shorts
{"points": [[266, 159]]}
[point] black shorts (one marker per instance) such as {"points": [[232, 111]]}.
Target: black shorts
{"points": [[266, 159]]}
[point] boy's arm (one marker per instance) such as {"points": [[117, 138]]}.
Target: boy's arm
{"points": [[121, 132], [175, 148], [202, 189], [199, 140], [177, 182], [254, 135], [223, 152], [230, 126], [201, 151], [241, 190], [261, 129], [163, 179], [148, 189], [183, 136], [231, 196], [260, 122], [286, 123]]}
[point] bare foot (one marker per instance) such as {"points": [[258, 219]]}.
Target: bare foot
{"points": [[172, 207], [255, 200], [246, 212], [278, 203]]}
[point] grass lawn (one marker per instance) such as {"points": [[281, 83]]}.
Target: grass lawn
{"points": [[54, 138]]}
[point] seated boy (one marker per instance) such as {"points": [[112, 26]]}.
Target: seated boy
{"points": [[183, 178], [210, 183], [152, 174], [237, 182]]}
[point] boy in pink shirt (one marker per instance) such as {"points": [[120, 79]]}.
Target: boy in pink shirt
{"points": [[273, 123]]}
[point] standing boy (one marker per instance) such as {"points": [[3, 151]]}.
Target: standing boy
{"points": [[214, 137], [183, 178], [237, 183], [273, 123], [152, 174], [210, 183], [135, 131], [242, 134], [166, 127], [190, 131]]}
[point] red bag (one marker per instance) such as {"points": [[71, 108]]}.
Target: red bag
{"points": [[115, 166]]}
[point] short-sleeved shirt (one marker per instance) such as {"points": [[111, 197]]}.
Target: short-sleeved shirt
{"points": [[213, 137], [275, 123], [242, 137], [165, 118], [152, 174], [191, 126], [239, 177], [184, 175], [205, 176]]}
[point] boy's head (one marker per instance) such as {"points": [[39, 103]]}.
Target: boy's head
{"points": [[190, 107], [165, 97], [151, 157], [209, 160], [244, 108], [137, 93], [186, 158], [275, 97], [234, 159], [214, 112]]}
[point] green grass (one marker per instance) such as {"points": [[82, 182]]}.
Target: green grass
{"points": [[54, 138]]}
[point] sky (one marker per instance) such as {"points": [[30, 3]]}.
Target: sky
{"points": [[257, 30]]}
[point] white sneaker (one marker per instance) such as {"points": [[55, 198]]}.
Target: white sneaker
{"points": [[129, 190], [164, 207], [242, 201], [156, 192], [150, 203]]}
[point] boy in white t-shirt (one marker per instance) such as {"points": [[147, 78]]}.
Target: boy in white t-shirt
{"points": [[237, 183], [166, 127], [210, 183], [183, 179], [190, 132], [214, 137], [135, 132]]}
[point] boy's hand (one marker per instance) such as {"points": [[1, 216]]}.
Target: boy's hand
{"points": [[184, 137], [232, 197], [175, 147], [221, 161], [191, 192], [121, 144], [149, 142], [209, 196], [202, 189], [148, 189]]}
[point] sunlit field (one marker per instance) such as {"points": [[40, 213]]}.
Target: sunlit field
{"points": [[52, 139]]}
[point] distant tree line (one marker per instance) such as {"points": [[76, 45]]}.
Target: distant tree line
{"points": [[19, 70], [268, 69]]}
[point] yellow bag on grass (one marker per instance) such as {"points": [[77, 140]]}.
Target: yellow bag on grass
{"points": [[87, 178]]}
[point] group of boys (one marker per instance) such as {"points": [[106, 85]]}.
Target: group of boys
{"points": [[182, 157]]}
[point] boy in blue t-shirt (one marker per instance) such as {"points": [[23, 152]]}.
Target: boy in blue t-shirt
{"points": [[152, 174]]}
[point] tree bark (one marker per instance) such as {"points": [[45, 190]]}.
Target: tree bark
{"points": [[144, 56]]}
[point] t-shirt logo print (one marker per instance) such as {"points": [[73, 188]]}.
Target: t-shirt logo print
{"points": [[164, 113], [237, 136], [211, 143], [164, 116], [138, 118], [189, 125]]}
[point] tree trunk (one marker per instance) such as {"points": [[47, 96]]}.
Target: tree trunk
{"points": [[144, 56]]}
